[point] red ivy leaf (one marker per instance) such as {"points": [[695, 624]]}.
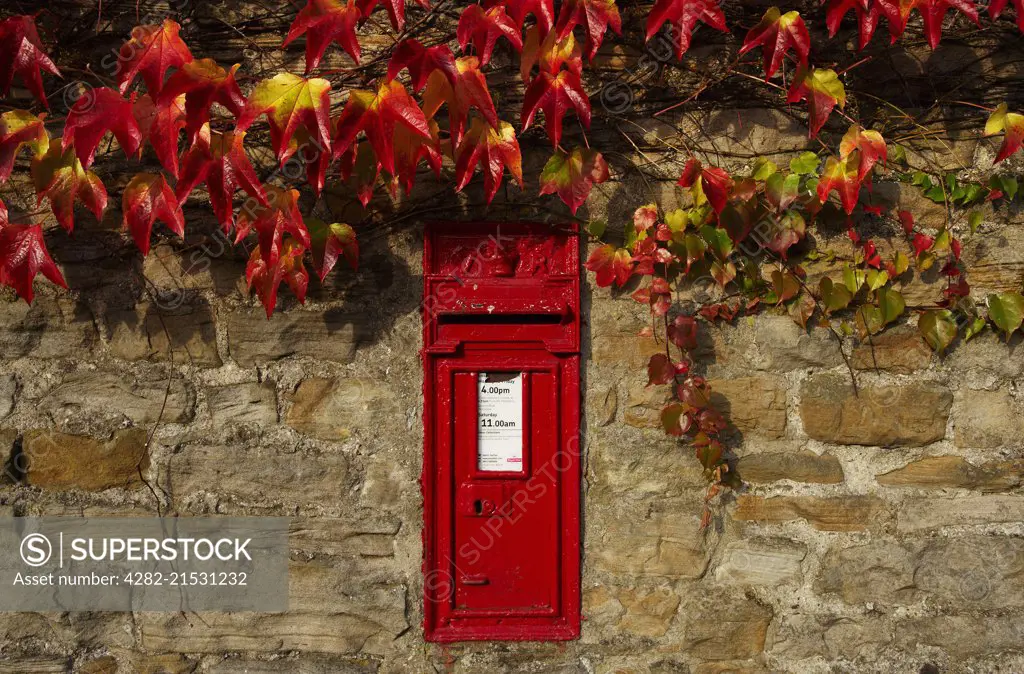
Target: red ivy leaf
{"points": [[869, 144], [573, 175], [549, 54], [422, 62], [483, 27], [160, 125], [897, 13], [469, 89], [841, 175], [291, 102], [996, 7], [286, 265], [395, 9], [324, 22], [822, 90], [60, 177], [328, 242], [148, 198], [150, 52], [683, 332], [23, 254], [376, 114], [360, 168], [555, 94], [921, 243], [1010, 122], [271, 221], [493, 150], [594, 15], [410, 148], [542, 10], [683, 15], [715, 183], [219, 160], [92, 116], [204, 83], [867, 17], [17, 128], [611, 265], [21, 52], [777, 33], [660, 369]]}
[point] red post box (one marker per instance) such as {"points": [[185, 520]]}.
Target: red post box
{"points": [[501, 469]]}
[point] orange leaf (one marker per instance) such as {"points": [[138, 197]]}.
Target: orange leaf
{"points": [[146, 199]]}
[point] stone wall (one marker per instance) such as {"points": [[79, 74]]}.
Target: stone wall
{"points": [[877, 531]]}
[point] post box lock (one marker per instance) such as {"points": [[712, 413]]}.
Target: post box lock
{"points": [[480, 500], [501, 472]]}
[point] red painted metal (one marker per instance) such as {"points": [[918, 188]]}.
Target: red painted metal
{"points": [[501, 545]]}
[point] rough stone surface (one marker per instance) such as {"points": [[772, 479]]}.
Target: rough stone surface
{"points": [[843, 513], [755, 405], [655, 545], [333, 409], [250, 403], [796, 466], [933, 513], [8, 388], [90, 398], [761, 562], [988, 420], [954, 471], [48, 328], [331, 335], [185, 334], [910, 415], [783, 346], [900, 350], [259, 475], [60, 462], [737, 633]]}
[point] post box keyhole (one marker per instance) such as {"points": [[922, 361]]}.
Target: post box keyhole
{"points": [[478, 505]]}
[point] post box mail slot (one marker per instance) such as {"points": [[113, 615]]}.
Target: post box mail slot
{"points": [[501, 469]]}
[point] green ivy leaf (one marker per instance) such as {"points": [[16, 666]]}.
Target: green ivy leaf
{"points": [[1006, 311], [763, 168], [597, 228], [891, 304], [938, 328], [974, 220], [975, 328], [876, 279], [677, 220], [805, 164], [718, 241], [854, 278], [836, 296]]}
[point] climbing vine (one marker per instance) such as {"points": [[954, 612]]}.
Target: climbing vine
{"points": [[740, 244]]}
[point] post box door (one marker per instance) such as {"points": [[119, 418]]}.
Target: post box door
{"points": [[499, 436]]}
